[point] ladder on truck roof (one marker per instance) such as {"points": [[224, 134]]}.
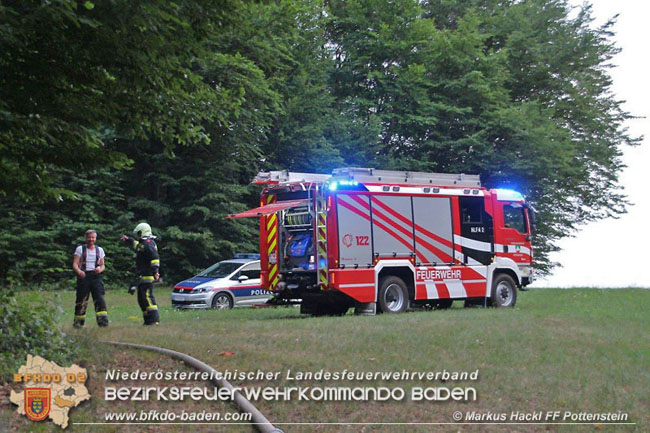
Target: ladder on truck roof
{"points": [[285, 177], [371, 175]]}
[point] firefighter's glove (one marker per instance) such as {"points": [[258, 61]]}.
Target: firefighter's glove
{"points": [[132, 290]]}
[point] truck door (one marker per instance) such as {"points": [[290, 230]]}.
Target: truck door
{"points": [[476, 231], [514, 233]]}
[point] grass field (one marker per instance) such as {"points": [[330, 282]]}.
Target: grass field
{"points": [[579, 350]]}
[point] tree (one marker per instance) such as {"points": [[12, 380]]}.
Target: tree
{"points": [[517, 92], [194, 97], [39, 238], [77, 74], [286, 40]]}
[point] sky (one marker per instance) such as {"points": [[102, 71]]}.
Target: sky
{"points": [[613, 252]]}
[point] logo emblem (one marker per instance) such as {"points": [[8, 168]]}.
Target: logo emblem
{"points": [[347, 240], [37, 403]]}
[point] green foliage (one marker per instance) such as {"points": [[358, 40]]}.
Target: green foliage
{"points": [[117, 112], [517, 92], [298, 138], [29, 326], [40, 243], [186, 200], [75, 77]]}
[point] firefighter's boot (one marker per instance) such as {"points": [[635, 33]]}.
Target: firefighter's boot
{"points": [[151, 316], [79, 321], [102, 319]]}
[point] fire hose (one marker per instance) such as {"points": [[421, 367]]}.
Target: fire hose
{"points": [[258, 420]]}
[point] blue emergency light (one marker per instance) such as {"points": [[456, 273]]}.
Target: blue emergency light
{"points": [[253, 256], [342, 183], [508, 195]]}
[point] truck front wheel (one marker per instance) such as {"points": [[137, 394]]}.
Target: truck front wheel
{"points": [[504, 291], [393, 296]]}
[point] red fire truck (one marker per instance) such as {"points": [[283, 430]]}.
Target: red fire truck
{"points": [[380, 240]]}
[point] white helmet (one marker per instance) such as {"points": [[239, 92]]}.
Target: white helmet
{"points": [[142, 230]]}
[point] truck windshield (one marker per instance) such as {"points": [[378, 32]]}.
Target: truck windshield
{"points": [[220, 270]]}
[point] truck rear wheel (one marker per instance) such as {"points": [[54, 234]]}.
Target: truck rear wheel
{"points": [[393, 296], [504, 291]]}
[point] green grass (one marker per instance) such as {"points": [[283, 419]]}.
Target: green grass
{"points": [[568, 350]]}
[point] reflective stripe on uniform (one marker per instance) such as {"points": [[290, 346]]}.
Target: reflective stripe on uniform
{"points": [[146, 278], [155, 262], [149, 303], [102, 313], [80, 317], [152, 307]]}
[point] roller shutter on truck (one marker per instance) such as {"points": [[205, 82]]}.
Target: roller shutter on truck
{"points": [[433, 229], [392, 226], [354, 232]]}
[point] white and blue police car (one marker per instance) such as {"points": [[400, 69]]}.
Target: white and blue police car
{"points": [[224, 285]]}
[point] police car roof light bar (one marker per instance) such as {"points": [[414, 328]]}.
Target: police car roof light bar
{"points": [[254, 256]]}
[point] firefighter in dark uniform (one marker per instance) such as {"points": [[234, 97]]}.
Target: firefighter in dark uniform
{"points": [[147, 263], [88, 264]]}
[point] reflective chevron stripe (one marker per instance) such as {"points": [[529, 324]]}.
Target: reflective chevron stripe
{"points": [[321, 240], [272, 243]]}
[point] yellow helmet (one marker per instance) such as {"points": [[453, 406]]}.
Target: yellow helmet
{"points": [[142, 230]]}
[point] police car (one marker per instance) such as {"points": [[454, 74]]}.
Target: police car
{"points": [[224, 285]]}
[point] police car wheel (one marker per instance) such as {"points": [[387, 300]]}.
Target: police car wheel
{"points": [[393, 296], [222, 301], [504, 291]]}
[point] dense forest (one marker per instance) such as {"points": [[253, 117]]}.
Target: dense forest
{"points": [[117, 112]]}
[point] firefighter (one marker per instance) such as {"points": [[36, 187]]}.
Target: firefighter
{"points": [[147, 263], [88, 264]]}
